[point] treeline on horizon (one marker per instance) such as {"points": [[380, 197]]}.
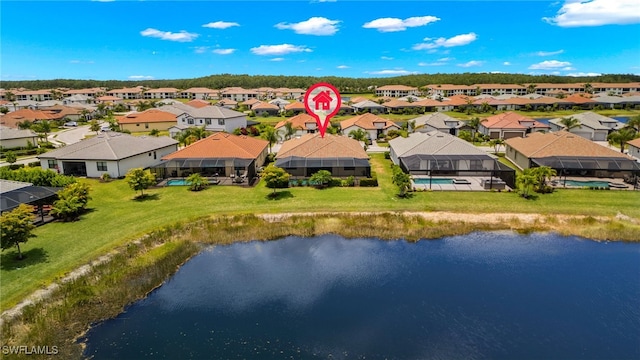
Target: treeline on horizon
{"points": [[344, 84]]}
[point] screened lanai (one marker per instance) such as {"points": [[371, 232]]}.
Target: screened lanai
{"points": [[457, 165], [337, 166], [616, 167], [206, 167]]}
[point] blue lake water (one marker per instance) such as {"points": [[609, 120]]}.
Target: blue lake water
{"points": [[622, 119], [480, 296]]}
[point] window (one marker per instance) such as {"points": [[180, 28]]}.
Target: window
{"points": [[52, 164], [190, 121], [102, 165], [200, 121], [220, 121], [207, 121], [146, 125]]}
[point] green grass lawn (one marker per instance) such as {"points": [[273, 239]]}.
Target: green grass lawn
{"points": [[115, 218]]}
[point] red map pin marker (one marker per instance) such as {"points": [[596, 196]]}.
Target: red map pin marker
{"points": [[322, 101]]}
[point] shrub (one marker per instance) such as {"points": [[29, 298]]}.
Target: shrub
{"points": [[350, 181], [335, 182], [369, 182], [105, 177], [387, 155]]}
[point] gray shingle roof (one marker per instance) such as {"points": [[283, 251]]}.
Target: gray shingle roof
{"points": [[591, 120], [433, 143], [7, 133], [367, 104], [109, 146], [437, 120]]}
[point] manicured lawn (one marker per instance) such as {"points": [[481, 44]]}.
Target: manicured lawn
{"points": [[116, 218]]}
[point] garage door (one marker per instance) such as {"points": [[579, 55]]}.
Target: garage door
{"points": [[511, 134], [600, 136], [586, 135]]}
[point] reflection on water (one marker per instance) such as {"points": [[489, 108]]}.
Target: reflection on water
{"points": [[485, 295]]}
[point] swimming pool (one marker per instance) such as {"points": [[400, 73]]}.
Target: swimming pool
{"points": [[578, 183], [177, 182], [434, 181]]}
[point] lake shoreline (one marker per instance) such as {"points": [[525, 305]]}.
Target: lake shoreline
{"points": [[139, 267]]}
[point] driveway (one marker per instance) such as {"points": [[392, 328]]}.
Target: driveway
{"points": [[70, 135]]}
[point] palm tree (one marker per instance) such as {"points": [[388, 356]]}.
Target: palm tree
{"points": [[588, 88], [570, 123], [197, 182], [94, 126], [543, 173], [475, 126], [43, 127], [531, 88], [289, 130], [359, 135], [525, 183], [634, 123], [270, 134], [621, 137], [496, 143]]}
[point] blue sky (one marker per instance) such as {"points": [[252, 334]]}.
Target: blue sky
{"points": [[123, 40]]}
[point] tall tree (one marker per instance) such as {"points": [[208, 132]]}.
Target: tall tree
{"points": [[525, 183], [275, 177], [289, 130], [44, 128], [359, 135], [140, 180], [542, 173], [621, 137], [94, 126], [496, 143], [634, 122], [474, 124], [270, 134], [197, 182], [16, 227], [588, 88], [570, 123], [402, 180]]}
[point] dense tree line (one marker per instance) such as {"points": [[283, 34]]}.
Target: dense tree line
{"points": [[344, 84]]}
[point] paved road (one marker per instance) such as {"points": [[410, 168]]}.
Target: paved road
{"points": [[70, 135]]}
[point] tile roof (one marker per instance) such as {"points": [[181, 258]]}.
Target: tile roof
{"points": [[511, 120], [264, 106], [13, 118], [437, 120], [298, 121], [109, 146], [562, 143], [297, 105], [433, 143], [197, 103], [397, 88], [222, 145], [634, 142], [125, 90], [147, 116], [316, 147], [162, 90], [200, 90], [396, 103], [367, 122]]}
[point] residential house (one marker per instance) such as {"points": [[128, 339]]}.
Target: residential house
{"points": [[341, 156], [108, 99], [220, 154], [634, 148], [265, 109], [446, 90], [396, 91], [281, 103], [296, 107], [369, 106], [249, 103], [90, 93], [14, 193], [569, 154], [227, 103], [127, 93], [501, 89], [592, 126], [238, 94], [147, 120], [374, 125], [440, 122], [302, 123], [509, 124], [110, 152], [14, 118], [197, 103], [199, 93], [34, 95], [77, 99], [161, 93], [213, 118], [436, 153], [62, 112], [398, 106], [431, 105], [14, 138]]}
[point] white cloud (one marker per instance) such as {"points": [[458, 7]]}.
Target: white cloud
{"points": [[386, 58], [220, 25], [342, 67], [446, 59], [471, 63], [391, 72], [279, 49], [140, 77], [277, 59], [319, 26], [201, 49], [568, 68], [181, 36], [498, 72], [549, 64], [436, 63], [506, 63], [81, 62], [223, 51], [549, 53], [596, 13], [458, 40], [395, 24], [584, 74]]}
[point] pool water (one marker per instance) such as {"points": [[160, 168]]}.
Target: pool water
{"points": [[578, 183], [177, 182], [434, 181]]}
